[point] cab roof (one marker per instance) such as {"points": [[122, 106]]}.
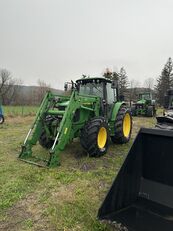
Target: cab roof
{"points": [[93, 79]]}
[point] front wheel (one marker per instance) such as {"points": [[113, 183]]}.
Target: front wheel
{"points": [[123, 126], [95, 137], [45, 141]]}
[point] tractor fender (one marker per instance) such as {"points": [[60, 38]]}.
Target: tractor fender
{"points": [[115, 110]]}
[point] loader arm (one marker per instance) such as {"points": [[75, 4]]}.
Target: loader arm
{"points": [[35, 130], [66, 131], [68, 127]]}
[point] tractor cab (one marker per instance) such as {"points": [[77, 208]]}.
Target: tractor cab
{"points": [[145, 97], [103, 88]]}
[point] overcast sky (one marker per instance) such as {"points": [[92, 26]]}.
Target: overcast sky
{"points": [[59, 40]]}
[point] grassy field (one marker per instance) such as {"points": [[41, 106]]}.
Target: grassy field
{"points": [[13, 111], [65, 198]]}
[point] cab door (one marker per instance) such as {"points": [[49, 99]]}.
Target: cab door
{"points": [[110, 98]]}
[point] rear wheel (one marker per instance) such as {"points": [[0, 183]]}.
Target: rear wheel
{"points": [[1, 119], [95, 137], [123, 126]]}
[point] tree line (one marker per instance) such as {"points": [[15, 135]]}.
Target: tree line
{"points": [[11, 88], [158, 86]]}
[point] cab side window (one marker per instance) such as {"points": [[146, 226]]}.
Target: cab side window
{"points": [[111, 94]]}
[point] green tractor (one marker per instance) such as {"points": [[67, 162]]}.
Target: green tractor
{"points": [[91, 112], [145, 106]]}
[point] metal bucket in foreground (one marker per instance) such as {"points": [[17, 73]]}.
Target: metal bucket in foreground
{"points": [[141, 196]]}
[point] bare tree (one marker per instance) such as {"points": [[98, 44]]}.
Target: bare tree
{"points": [[15, 93], [8, 86], [5, 83], [134, 84], [43, 87], [149, 83]]}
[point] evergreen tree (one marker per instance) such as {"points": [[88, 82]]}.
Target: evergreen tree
{"points": [[115, 76], [123, 81], [164, 81]]}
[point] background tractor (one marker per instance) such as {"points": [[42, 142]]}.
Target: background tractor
{"points": [[1, 115], [92, 112], [145, 106]]}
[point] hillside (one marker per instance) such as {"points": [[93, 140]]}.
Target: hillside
{"points": [[28, 95]]}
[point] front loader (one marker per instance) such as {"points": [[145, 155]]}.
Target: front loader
{"points": [[141, 196], [91, 112]]}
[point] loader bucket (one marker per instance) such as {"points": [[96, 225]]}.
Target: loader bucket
{"points": [[141, 196], [164, 122]]}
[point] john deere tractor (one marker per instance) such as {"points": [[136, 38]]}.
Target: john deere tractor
{"points": [[145, 106], [92, 112]]}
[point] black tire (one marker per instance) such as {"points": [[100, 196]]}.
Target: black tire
{"points": [[1, 119], [150, 111], [90, 134], [133, 110], [121, 136], [44, 141]]}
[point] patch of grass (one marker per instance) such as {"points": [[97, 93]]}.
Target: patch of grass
{"points": [[17, 186], [28, 223], [14, 111], [78, 210]]}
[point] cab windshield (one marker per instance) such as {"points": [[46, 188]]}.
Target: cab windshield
{"points": [[91, 89], [145, 96]]}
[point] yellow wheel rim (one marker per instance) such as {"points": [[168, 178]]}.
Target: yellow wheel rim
{"points": [[127, 125], [102, 137]]}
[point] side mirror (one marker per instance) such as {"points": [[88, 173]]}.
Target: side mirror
{"points": [[67, 86], [114, 84]]}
